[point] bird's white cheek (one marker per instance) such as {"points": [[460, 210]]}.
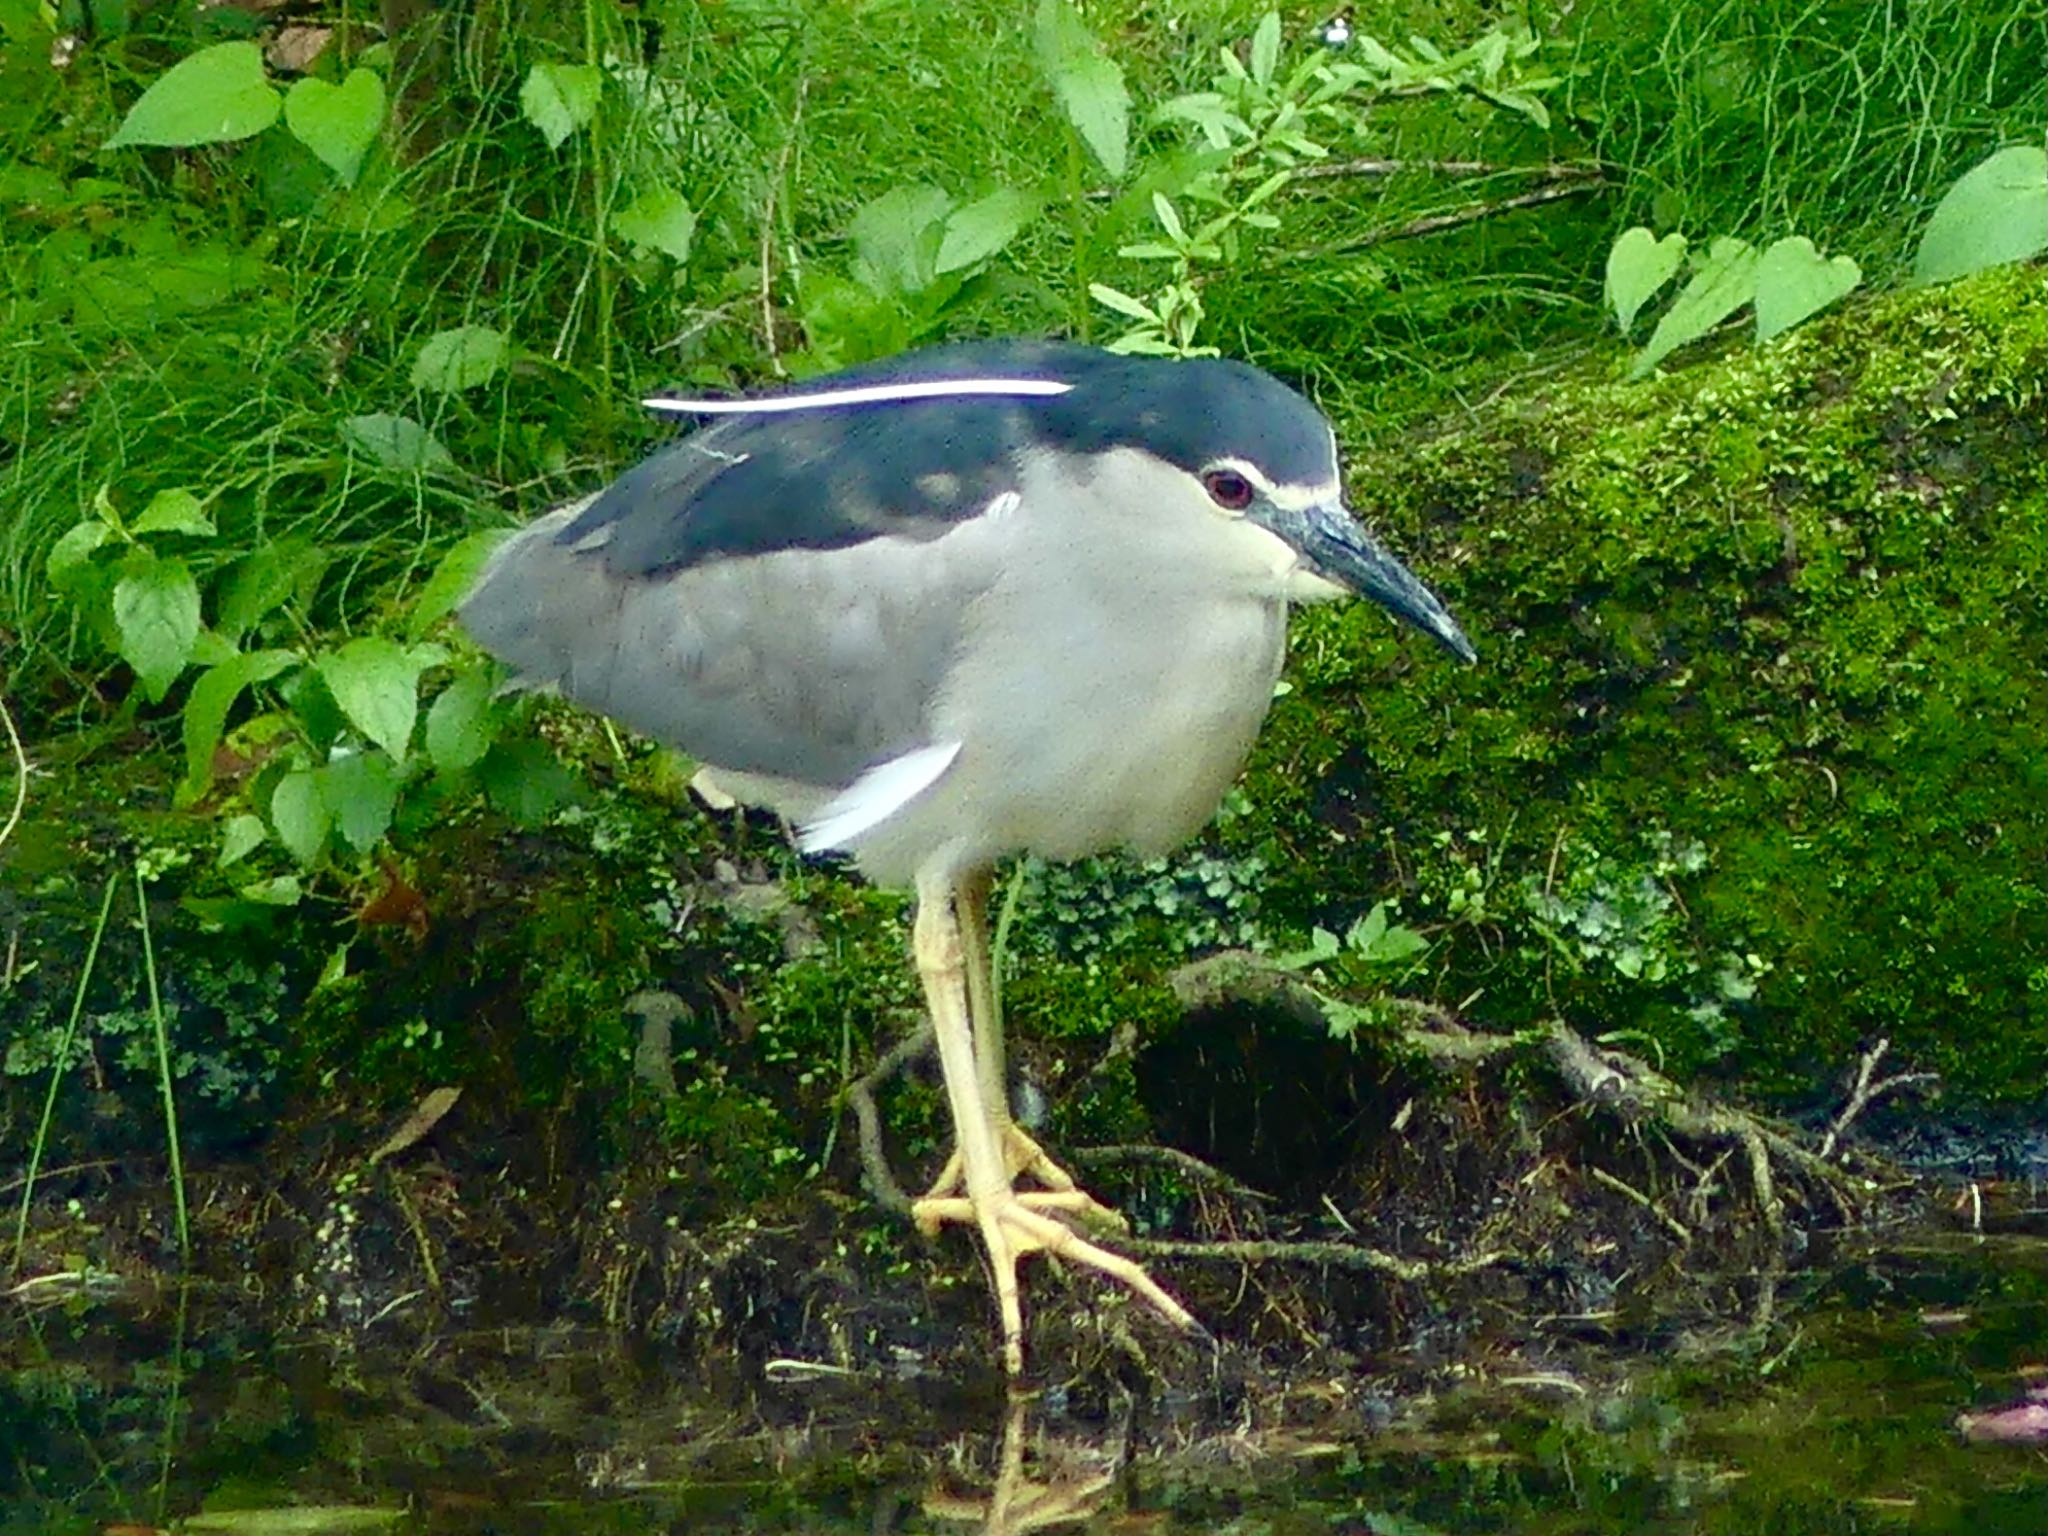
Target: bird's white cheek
{"points": [[1304, 586]]}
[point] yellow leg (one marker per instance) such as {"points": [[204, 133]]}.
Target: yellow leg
{"points": [[1011, 1225], [1022, 1156]]}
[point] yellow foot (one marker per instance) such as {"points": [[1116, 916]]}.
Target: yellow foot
{"points": [[1024, 1158], [1013, 1224]]}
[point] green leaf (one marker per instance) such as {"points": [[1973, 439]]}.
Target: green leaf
{"points": [[1725, 282], [558, 99], [242, 836], [1638, 264], [1793, 281], [377, 684], [896, 238], [396, 442], [73, 552], [525, 781], [338, 123], [459, 358], [1266, 48], [452, 580], [459, 724], [659, 219], [361, 792], [1121, 302], [215, 96], [1089, 85], [1997, 212], [175, 512], [980, 229], [205, 716], [156, 612], [299, 813], [260, 581]]}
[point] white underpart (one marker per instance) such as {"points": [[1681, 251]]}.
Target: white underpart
{"points": [[875, 796], [865, 394]]}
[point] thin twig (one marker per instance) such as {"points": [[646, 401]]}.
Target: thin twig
{"points": [[1866, 1092], [1372, 165], [1166, 1157], [1437, 223], [1676, 1227], [20, 773], [1335, 1255]]}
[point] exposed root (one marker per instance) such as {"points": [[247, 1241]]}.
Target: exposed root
{"points": [[874, 1161], [1599, 1079]]}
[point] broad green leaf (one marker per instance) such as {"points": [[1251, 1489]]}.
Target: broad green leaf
{"points": [[215, 96], [1266, 48], [460, 358], [1089, 85], [1997, 212], [977, 230], [558, 99], [1638, 264], [1725, 282], [242, 836], [338, 123], [395, 442], [299, 813], [659, 219], [459, 723], [73, 552], [896, 238], [1793, 281], [361, 792], [175, 512], [205, 716], [452, 580], [377, 684], [156, 612], [525, 781], [260, 581], [277, 891]]}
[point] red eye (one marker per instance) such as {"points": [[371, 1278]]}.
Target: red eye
{"points": [[1228, 489]]}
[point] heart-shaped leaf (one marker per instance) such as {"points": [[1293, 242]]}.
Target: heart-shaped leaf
{"points": [[1793, 280], [659, 219], [215, 96], [338, 123], [1638, 265], [560, 98]]}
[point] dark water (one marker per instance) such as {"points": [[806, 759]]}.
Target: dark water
{"points": [[1833, 1407]]}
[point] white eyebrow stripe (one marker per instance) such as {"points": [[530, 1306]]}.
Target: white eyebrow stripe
{"points": [[865, 394], [1293, 498]]}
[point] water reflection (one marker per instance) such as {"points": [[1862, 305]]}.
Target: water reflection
{"points": [[1068, 1480]]}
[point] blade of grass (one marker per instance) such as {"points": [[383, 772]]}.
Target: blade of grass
{"points": [[63, 1058], [163, 1069]]}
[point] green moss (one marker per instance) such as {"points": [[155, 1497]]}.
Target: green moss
{"points": [[1788, 605]]}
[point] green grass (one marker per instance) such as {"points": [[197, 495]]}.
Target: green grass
{"points": [[276, 316]]}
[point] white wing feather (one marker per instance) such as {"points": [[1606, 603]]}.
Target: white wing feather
{"points": [[875, 796]]}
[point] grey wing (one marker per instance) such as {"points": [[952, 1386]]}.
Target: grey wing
{"points": [[805, 664]]}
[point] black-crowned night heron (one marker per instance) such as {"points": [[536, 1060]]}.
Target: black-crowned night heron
{"points": [[995, 598]]}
